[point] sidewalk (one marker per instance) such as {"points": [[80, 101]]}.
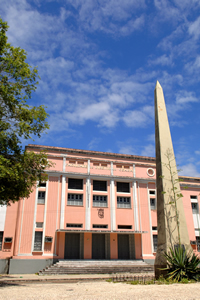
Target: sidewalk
{"points": [[33, 278]]}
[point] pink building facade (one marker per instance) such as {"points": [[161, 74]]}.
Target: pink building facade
{"points": [[94, 205]]}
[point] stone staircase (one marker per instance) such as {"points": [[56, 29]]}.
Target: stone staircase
{"points": [[97, 267]]}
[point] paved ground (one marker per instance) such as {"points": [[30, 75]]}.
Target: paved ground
{"points": [[88, 286], [33, 278], [96, 290]]}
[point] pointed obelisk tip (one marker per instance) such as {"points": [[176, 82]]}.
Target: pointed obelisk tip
{"points": [[158, 85]]}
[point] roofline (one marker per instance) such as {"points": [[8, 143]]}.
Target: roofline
{"points": [[189, 177], [89, 152]]}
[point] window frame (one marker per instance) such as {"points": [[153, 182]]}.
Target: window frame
{"points": [[1, 239], [100, 203], [105, 226], [155, 242], [35, 246], [198, 243], [100, 189], [75, 187], [123, 189], [153, 207], [121, 203], [41, 199], [39, 223], [77, 201], [195, 211], [74, 225]]}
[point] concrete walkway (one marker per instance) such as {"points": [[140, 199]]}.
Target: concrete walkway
{"points": [[33, 278]]}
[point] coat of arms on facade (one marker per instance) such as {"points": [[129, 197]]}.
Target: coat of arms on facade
{"points": [[101, 213]]}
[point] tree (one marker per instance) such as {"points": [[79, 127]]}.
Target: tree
{"points": [[19, 169]]}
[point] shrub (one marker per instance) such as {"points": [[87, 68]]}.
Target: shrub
{"points": [[182, 265]]}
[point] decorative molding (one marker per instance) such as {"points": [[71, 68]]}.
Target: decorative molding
{"points": [[45, 213], [150, 172], [112, 206], [135, 206], [64, 164], [34, 217], [88, 204], [62, 207], [20, 235], [150, 222]]}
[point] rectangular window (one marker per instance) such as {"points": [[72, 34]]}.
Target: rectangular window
{"points": [[194, 208], [153, 203], [193, 197], [41, 197], [99, 185], [72, 162], [8, 240], [75, 184], [38, 241], [75, 199], [39, 224], [155, 242], [154, 228], [99, 226], [123, 202], [104, 165], [152, 192], [123, 187], [99, 201], [74, 225], [42, 184], [124, 226], [126, 167], [95, 164], [119, 166], [1, 239], [198, 243]]}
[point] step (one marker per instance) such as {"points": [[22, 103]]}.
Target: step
{"points": [[97, 271]]}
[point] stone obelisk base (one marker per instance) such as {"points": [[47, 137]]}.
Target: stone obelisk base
{"points": [[159, 272]]}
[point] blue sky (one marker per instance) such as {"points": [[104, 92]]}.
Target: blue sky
{"points": [[99, 61]]}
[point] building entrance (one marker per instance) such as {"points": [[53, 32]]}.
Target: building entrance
{"points": [[123, 246], [98, 246], [72, 246]]}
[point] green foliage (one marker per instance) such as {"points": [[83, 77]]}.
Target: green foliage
{"points": [[182, 265], [19, 169], [145, 280]]}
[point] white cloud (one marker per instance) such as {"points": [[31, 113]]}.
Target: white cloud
{"points": [[132, 25], [183, 97], [148, 150], [40, 34], [99, 112], [183, 102], [193, 67], [166, 10], [189, 170], [162, 60], [151, 137], [113, 17], [93, 144], [138, 118], [127, 149], [187, 4], [197, 152], [135, 118], [194, 28]]}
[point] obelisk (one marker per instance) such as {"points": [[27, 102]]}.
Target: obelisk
{"points": [[168, 210]]}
